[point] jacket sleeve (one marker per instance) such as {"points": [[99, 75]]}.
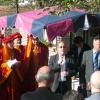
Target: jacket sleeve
{"points": [[53, 64], [72, 71], [72, 66], [82, 70]]}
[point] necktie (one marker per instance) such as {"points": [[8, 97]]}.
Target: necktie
{"points": [[62, 77], [96, 61], [62, 58]]}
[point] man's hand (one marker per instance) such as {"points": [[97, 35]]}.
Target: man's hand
{"points": [[12, 62], [64, 73]]}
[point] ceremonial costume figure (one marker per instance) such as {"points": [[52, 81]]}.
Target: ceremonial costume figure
{"points": [[37, 55], [10, 74], [17, 45], [21, 49]]}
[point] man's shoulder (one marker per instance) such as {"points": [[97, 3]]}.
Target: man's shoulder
{"points": [[95, 96], [27, 96], [38, 94], [88, 51], [54, 96]]}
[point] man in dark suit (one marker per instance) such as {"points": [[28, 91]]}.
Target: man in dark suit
{"points": [[44, 77], [94, 86], [78, 48], [90, 62], [64, 67]]}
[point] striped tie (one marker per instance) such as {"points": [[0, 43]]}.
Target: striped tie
{"points": [[96, 61]]}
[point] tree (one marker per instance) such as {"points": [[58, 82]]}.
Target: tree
{"points": [[90, 5], [6, 2]]}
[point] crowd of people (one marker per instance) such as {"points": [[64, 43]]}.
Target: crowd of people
{"points": [[19, 64], [27, 72]]}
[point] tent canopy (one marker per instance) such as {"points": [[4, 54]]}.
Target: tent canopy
{"points": [[35, 21]]}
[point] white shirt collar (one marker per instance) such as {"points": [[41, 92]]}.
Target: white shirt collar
{"points": [[94, 51]]}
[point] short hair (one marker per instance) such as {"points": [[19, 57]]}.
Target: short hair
{"points": [[96, 38], [45, 76], [78, 39], [73, 95], [60, 42]]}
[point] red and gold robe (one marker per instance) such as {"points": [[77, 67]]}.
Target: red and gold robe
{"points": [[10, 78], [38, 56], [21, 50]]}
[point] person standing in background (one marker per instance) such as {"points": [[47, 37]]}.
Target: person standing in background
{"points": [[37, 56], [77, 50], [90, 63], [64, 67]]}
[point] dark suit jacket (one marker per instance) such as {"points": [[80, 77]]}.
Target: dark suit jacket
{"points": [[95, 96], [74, 51], [71, 67], [41, 93], [87, 66]]}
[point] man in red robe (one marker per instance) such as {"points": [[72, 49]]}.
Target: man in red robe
{"points": [[38, 57], [10, 74], [17, 45], [40, 53], [21, 49]]}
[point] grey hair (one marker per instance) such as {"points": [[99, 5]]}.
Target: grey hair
{"points": [[45, 76]]}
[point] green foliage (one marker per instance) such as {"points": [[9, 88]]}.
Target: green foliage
{"points": [[6, 2], [89, 5], [45, 42], [92, 6]]}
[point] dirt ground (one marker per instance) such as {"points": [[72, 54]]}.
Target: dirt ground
{"points": [[7, 10]]}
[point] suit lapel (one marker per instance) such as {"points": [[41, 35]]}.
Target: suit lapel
{"points": [[56, 58]]}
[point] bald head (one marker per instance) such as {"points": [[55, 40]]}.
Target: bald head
{"points": [[45, 74], [95, 81]]}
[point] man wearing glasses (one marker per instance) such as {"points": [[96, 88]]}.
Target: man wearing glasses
{"points": [[64, 67]]}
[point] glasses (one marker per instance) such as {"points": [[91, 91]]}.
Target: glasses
{"points": [[62, 47]]}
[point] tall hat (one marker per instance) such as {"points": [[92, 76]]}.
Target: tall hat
{"points": [[16, 35], [7, 39]]}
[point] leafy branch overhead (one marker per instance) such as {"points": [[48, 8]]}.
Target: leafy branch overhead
{"points": [[92, 6]]}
